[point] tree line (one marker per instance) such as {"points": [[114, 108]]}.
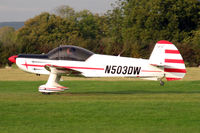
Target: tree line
{"points": [[130, 29]]}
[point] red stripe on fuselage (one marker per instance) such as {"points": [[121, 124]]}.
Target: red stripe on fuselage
{"points": [[174, 61], [90, 68], [168, 51], [32, 65], [69, 67], [150, 71]]}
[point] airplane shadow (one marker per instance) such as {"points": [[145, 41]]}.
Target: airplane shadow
{"points": [[127, 92]]}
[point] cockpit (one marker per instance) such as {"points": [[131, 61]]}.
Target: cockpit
{"points": [[69, 52]]}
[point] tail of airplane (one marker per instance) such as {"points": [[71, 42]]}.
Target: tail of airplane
{"points": [[167, 56]]}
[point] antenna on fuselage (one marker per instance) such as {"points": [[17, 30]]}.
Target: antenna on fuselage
{"points": [[59, 52], [121, 52]]}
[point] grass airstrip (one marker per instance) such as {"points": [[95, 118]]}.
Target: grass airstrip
{"points": [[99, 105]]}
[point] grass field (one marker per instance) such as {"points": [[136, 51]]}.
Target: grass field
{"points": [[113, 106]]}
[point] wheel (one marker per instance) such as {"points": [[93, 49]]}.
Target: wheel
{"points": [[162, 83]]}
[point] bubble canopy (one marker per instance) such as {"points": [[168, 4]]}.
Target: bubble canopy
{"points": [[69, 52]]}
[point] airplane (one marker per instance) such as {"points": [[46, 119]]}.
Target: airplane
{"points": [[165, 62]]}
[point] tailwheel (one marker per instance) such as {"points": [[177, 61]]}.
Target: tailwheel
{"points": [[162, 83]]}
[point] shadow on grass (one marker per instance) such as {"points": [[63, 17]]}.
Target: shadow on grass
{"points": [[127, 92], [126, 88]]}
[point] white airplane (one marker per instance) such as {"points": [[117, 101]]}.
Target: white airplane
{"points": [[164, 62]]}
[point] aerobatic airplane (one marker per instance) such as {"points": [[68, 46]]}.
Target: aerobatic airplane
{"points": [[164, 62]]}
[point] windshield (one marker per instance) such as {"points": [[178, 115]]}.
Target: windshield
{"points": [[68, 52]]}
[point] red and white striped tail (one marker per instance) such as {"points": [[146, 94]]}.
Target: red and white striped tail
{"points": [[167, 55]]}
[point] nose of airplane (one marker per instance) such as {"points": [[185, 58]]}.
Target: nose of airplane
{"points": [[13, 58]]}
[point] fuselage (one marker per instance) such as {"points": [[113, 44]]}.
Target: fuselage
{"points": [[96, 65]]}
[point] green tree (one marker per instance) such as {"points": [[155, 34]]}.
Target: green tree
{"points": [[44, 32], [7, 44], [114, 23], [190, 49], [65, 11], [7, 35], [137, 24]]}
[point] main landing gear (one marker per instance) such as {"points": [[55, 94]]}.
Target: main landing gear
{"points": [[52, 84]]}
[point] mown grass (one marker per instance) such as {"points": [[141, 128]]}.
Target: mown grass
{"points": [[101, 106]]}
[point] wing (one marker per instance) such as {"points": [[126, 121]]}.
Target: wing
{"points": [[62, 70]]}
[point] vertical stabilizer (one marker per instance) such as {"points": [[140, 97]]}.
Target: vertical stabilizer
{"points": [[165, 54]]}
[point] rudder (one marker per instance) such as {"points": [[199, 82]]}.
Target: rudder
{"points": [[166, 55]]}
